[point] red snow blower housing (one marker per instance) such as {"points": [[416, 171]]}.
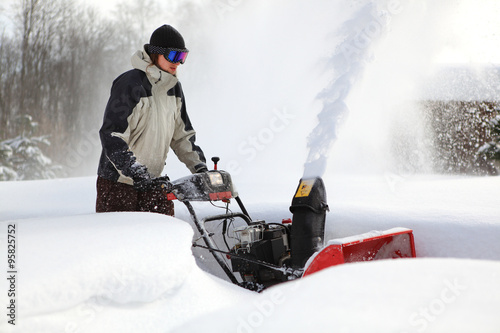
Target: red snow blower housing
{"points": [[264, 254]]}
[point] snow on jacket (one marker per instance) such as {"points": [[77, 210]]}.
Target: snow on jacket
{"points": [[145, 115]]}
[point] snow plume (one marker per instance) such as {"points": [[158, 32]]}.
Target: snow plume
{"points": [[359, 33]]}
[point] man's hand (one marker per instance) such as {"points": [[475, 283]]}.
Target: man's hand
{"points": [[164, 183], [145, 184]]}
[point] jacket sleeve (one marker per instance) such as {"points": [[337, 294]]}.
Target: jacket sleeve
{"points": [[183, 141], [126, 93]]}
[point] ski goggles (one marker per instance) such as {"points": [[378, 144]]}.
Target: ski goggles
{"points": [[172, 55], [175, 56]]}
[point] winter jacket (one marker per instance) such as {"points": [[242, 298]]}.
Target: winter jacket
{"points": [[145, 116]]}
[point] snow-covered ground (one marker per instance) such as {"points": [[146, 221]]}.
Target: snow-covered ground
{"points": [[78, 271]]}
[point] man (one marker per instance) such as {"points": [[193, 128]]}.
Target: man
{"points": [[145, 116]]}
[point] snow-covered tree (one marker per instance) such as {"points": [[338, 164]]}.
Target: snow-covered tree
{"points": [[491, 149], [22, 158], [6, 170]]}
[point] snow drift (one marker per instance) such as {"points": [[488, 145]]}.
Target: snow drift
{"points": [[116, 272], [79, 271]]}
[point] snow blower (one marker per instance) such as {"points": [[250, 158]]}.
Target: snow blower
{"points": [[264, 254]]}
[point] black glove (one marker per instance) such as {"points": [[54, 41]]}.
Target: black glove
{"points": [[151, 184], [144, 184], [141, 177], [163, 183]]}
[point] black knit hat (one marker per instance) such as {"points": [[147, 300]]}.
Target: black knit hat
{"points": [[166, 37]]}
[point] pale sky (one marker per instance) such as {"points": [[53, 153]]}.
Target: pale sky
{"points": [[474, 29], [476, 24]]}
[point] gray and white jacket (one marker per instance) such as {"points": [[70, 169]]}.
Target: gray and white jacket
{"points": [[145, 116]]}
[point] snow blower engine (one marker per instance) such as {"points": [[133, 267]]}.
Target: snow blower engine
{"points": [[286, 245]]}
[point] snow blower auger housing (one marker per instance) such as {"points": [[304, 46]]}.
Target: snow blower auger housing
{"points": [[265, 254]]}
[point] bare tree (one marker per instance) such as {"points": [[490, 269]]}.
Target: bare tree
{"points": [[9, 62], [55, 67]]}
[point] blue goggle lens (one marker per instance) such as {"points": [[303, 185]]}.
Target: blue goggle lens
{"points": [[176, 56]]}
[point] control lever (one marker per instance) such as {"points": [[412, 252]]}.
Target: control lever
{"points": [[215, 159]]}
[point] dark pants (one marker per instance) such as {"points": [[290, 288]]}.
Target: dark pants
{"points": [[119, 197]]}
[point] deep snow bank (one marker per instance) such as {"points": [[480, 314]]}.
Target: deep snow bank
{"points": [[135, 272], [114, 272], [413, 295]]}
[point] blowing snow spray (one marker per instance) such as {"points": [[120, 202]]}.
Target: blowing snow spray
{"points": [[359, 33]]}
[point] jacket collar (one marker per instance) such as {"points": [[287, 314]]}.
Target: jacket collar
{"points": [[140, 60]]}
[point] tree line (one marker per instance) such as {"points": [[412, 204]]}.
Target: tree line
{"points": [[58, 59]]}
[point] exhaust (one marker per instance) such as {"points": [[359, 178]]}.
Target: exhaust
{"points": [[309, 209]]}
